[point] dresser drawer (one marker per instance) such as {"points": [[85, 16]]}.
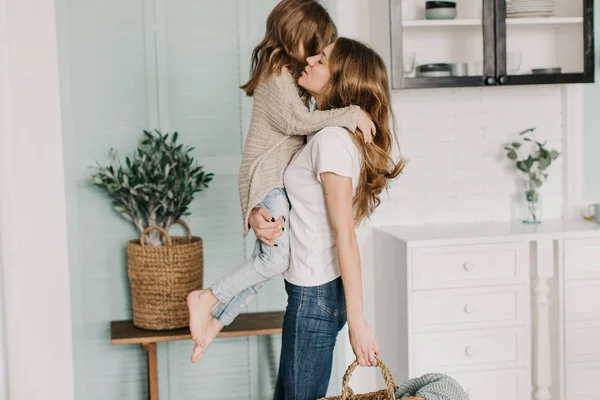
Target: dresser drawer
{"points": [[582, 341], [470, 350], [582, 259], [582, 381], [582, 300], [495, 385], [468, 266], [451, 309]]}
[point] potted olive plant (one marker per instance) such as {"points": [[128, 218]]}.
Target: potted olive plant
{"points": [[156, 185], [153, 190], [533, 159]]}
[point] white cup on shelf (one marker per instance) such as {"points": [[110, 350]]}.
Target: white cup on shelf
{"points": [[409, 10]]}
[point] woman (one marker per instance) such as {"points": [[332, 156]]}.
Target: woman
{"points": [[333, 183]]}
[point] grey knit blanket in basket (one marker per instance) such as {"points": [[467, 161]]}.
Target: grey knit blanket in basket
{"points": [[432, 387]]}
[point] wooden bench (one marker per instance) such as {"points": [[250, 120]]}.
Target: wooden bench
{"points": [[250, 324]]}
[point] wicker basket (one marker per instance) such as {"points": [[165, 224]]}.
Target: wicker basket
{"points": [[386, 394], [160, 278]]}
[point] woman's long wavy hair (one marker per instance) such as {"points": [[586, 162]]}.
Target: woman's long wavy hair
{"points": [[291, 26], [359, 77]]}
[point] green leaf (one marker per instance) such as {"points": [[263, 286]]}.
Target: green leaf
{"points": [[527, 131], [544, 163], [529, 162], [126, 216], [512, 155], [532, 196], [522, 166], [537, 183], [516, 145], [554, 154]]}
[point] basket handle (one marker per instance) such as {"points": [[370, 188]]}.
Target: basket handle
{"points": [[158, 228], [186, 226], [347, 393]]}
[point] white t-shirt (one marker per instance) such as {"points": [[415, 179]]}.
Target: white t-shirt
{"points": [[312, 241]]}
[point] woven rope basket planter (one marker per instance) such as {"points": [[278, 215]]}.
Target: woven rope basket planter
{"points": [[160, 278], [386, 394]]}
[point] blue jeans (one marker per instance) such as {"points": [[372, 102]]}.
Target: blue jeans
{"points": [[239, 286], [313, 318]]}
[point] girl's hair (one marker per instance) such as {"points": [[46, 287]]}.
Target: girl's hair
{"points": [[359, 77], [292, 25]]}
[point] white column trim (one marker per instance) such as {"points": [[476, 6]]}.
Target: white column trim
{"points": [[573, 151], [542, 362], [4, 124], [33, 226]]}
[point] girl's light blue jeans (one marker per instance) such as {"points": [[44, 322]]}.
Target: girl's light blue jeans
{"points": [[238, 287]]}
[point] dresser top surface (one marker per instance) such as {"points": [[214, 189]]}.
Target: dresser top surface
{"points": [[492, 231]]}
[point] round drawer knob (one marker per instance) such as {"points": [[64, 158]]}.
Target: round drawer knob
{"points": [[469, 308], [468, 266], [470, 351]]}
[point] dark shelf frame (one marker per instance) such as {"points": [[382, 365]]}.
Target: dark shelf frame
{"points": [[494, 53]]}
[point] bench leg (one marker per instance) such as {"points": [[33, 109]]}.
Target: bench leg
{"points": [[150, 348]]}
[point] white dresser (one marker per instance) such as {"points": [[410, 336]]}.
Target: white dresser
{"points": [[511, 311], [581, 305]]}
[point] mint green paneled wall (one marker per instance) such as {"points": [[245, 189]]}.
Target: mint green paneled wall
{"points": [[104, 97], [175, 65]]}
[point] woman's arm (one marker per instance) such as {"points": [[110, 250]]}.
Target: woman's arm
{"points": [[338, 200]]}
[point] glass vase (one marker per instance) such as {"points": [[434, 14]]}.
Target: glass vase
{"points": [[533, 207]]}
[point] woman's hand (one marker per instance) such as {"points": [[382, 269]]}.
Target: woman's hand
{"points": [[366, 126], [264, 226], [363, 343]]}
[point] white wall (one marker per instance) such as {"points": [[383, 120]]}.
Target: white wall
{"points": [[3, 376], [33, 240], [453, 138]]}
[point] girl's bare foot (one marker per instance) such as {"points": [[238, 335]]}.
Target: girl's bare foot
{"points": [[200, 303], [213, 329]]}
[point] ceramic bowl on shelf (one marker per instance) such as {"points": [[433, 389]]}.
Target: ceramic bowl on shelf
{"points": [[459, 69], [546, 71], [434, 70], [440, 9]]}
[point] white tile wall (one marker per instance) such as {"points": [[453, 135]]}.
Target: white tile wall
{"points": [[457, 169]]}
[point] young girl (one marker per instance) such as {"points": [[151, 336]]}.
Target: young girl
{"points": [[280, 120]]}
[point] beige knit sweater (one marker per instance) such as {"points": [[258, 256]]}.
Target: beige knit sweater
{"points": [[279, 122]]}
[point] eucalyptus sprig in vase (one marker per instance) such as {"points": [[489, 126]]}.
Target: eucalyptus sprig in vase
{"points": [[532, 158]]}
